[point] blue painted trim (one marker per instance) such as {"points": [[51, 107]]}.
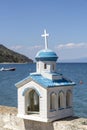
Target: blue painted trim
{"points": [[45, 82], [46, 59], [46, 55], [27, 89]]}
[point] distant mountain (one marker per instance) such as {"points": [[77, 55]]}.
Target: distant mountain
{"points": [[79, 60], [84, 59], [9, 56]]}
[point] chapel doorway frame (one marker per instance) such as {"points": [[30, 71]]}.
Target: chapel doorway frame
{"points": [[30, 107]]}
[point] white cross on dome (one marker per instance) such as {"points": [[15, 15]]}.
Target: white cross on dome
{"points": [[45, 35]]}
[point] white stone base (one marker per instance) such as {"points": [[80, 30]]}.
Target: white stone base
{"points": [[36, 117], [33, 117]]}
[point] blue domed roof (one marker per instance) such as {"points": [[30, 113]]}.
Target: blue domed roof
{"points": [[46, 55]]}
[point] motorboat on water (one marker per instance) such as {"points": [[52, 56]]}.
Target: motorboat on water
{"points": [[7, 69]]}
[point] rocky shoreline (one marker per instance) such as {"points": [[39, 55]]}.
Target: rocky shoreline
{"points": [[10, 121]]}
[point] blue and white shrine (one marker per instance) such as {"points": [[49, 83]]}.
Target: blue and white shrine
{"points": [[45, 95]]}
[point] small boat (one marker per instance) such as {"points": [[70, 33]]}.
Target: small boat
{"points": [[7, 69]]}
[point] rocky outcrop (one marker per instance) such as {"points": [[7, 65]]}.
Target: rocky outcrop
{"points": [[9, 56], [10, 121], [72, 123]]}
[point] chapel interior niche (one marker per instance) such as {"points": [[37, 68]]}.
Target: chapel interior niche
{"points": [[32, 102]]}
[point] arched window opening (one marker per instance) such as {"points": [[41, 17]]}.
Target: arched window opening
{"points": [[45, 66], [53, 66], [53, 101], [33, 102], [61, 100], [68, 98]]}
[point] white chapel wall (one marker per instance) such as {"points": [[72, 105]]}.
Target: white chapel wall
{"points": [[60, 112], [42, 98], [51, 66]]}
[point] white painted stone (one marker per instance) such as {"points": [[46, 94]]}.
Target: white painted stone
{"points": [[53, 102]]}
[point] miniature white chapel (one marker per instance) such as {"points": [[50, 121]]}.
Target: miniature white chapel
{"points": [[45, 95]]}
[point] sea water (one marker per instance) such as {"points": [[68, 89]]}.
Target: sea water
{"points": [[77, 72]]}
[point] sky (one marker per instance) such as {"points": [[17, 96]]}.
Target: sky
{"points": [[22, 22]]}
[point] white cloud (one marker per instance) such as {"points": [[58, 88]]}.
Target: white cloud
{"points": [[34, 47], [22, 47], [71, 50], [17, 47], [64, 51], [29, 51], [71, 45]]}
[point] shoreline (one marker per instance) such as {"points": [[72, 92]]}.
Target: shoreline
{"points": [[10, 121], [17, 63]]}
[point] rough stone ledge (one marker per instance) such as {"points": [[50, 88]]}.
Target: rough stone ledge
{"points": [[9, 121], [8, 110]]}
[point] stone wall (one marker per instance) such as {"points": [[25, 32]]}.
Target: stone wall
{"points": [[9, 121]]}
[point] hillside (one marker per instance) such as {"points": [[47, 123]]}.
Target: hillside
{"points": [[7, 55]]}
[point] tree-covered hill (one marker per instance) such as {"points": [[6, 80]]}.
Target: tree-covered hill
{"points": [[9, 56]]}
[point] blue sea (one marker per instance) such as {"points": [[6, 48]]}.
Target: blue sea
{"points": [[77, 72]]}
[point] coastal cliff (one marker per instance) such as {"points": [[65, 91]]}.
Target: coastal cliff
{"points": [[10, 121], [9, 56]]}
